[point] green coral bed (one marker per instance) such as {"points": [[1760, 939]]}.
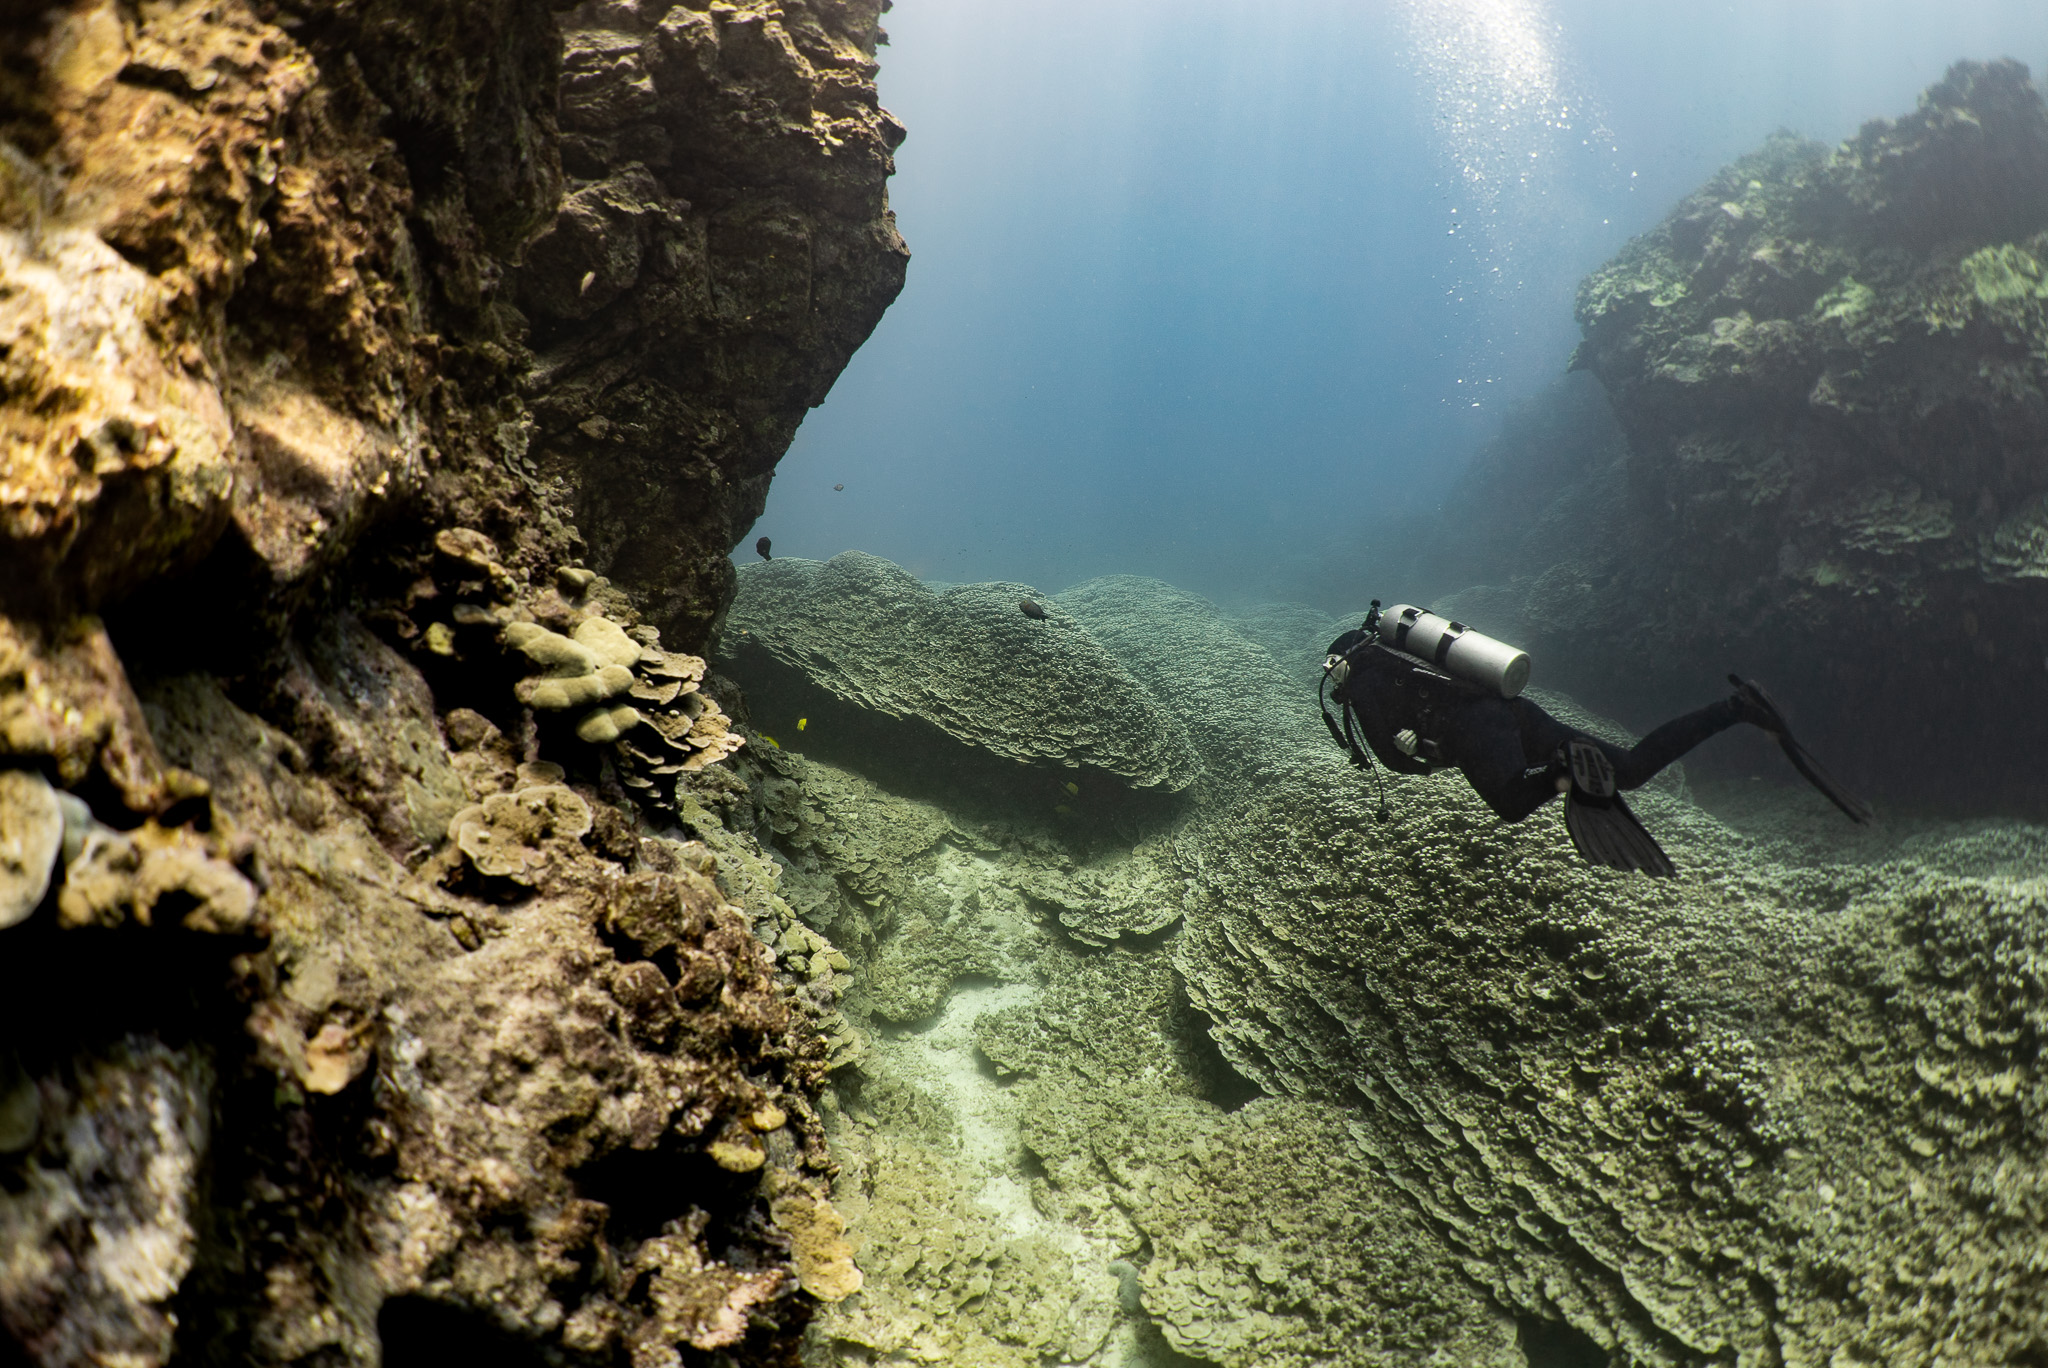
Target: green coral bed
{"points": [[1289, 1084]]}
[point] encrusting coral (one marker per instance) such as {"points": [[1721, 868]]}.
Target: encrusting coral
{"points": [[1422, 1089], [507, 834], [119, 876]]}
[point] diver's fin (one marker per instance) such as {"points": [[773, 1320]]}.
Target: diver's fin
{"points": [[1605, 832], [1854, 808], [1592, 772], [1603, 829], [1755, 707]]}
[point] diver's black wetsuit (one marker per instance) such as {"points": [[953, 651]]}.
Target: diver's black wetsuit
{"points": [[1507, 747], [1518, 757]]}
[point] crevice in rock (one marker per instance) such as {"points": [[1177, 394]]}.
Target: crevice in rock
{"points": [[1555, 1344], [418, 1332]]}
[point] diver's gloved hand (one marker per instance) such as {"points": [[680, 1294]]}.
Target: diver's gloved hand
{"points": [[1754, 706]]}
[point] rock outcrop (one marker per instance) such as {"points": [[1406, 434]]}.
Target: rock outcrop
{"points": [[378, 385], [722, 246], [967, 669], [1830, 370]]}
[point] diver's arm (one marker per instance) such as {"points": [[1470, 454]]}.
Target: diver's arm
{"points": [[1370, 687]]}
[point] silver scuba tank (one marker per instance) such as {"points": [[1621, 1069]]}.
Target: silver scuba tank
{"points": [[1455, 649]]}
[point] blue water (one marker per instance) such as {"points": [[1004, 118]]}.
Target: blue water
{"points": [[1220, 293]]}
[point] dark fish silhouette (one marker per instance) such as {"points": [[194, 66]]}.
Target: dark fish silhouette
{"points": [[762, 546], [839, 486], [1030, 608]]}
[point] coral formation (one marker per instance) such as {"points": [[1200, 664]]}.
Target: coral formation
{"points": [[378, 384], [1272, 1241], [552, 976], [1468, 1100], [1615, 1107], [122, 876], [404, 956], [964, 662], [817, 1236], [589, 669], [1219, 683], [505, 835], [31, 834]]}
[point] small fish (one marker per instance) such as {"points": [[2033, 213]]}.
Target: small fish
{"points": [[762, 546], [769, 739], [1030, 608], [1071, 787], [838, 486], [802, 722], [1062, 809]]}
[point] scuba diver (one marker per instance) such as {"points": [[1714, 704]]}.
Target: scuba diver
{"points": [[1425, 692]]}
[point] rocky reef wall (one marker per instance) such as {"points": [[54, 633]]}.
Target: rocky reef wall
{"points": [[1828, 367], [379, 386]]}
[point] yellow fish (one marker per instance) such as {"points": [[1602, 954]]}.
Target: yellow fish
{"points": [[1072, 787], [769, 739], [1062, 809], [802, 722]]}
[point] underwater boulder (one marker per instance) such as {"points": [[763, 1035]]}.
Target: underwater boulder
{"points": [[965, 667], [1227, 689], [31, 835]]}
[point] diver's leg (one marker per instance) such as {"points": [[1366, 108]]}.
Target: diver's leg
{"points": [[1637, 767], [1486, 741], [1602, 828], [1543, 735]]}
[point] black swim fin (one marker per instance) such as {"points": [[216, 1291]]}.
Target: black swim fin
{"points": [[1602, 828], [1757, 709]]}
